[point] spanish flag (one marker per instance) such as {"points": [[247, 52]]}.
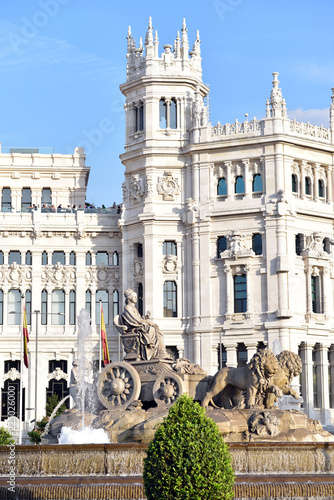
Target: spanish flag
{"points": [[25, 337], [105, 349]]}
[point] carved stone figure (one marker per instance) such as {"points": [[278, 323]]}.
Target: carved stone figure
{"points": [[290, 366], [252, 378], [147, 333]]}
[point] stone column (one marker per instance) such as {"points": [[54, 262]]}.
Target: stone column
{"points": [[196, 273], [316, 182], [228, 272], [93, 308], [324, 382], [308, 291], [325, 290], [331, 375], [251, 350], [229, 178], [67, 308], [49, 309], [5, 306], [329, 183], [307, 376], [302, 179], [197, 348], [231, 355], [248, 184], [249, 307]]}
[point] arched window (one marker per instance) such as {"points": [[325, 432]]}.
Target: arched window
{"points": [[240, 293], [115, 259], [173, 114], [221, 245], [88, 259], [58, 307], [115, 302], [257, 244], [294, 183], [170, 299], [169, 248], [72, 259], [321, 188], [26, 198], [140, 297], [46, 197], [1, 307], [104, 295], [58, 257], [307, 186], [6, 200], [257, 186], [102, 258], [72, 308], [14, 307], [28, 258], [14, 256], [162, 113], [44, 307], [1, 258], [222, 187], [239, 186], [44, 258], [28, 306]]}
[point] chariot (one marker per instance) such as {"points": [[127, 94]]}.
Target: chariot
{"points": [[122, 383]]}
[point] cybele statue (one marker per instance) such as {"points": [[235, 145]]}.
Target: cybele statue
{"points": [[242, 401]]}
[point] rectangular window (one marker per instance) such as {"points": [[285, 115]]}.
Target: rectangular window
{"points": [[170, 299], [6, 203], [26, 198], [88, 302], [72, 307], [240, 293], [14, 307], [316, 295], [44, 308], [104, 295], [46, 197], [58, 307], [169, 248]]}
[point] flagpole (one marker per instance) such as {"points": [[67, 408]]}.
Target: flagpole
{"points": [[100, 339], [36, 363], [21, 374]]}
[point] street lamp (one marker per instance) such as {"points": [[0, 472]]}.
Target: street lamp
{"points": [[36, 351]]}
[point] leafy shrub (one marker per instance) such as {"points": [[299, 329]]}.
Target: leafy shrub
{"points": [[187, 458], [51, 405], [5, 437], [35, 434]]}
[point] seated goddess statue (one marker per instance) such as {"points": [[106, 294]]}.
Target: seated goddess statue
{"points": [[150, 338]]}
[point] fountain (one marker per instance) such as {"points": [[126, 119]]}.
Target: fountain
{"points": [[275, 453]]}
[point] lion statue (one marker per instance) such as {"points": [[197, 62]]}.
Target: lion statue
{"points": [[289, 366], [253, 378]]}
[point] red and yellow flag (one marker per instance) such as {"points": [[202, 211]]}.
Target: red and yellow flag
{"points": [[105, 349], [25, 338]]}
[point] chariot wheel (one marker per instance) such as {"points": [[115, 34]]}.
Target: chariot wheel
{"points": [[167, 388], [118, 385]]}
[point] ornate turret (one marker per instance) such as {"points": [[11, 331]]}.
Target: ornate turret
{"points": [[178, 60]]}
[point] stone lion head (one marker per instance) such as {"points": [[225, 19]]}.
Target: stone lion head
{"points": [[264, 364], [291, 363]]}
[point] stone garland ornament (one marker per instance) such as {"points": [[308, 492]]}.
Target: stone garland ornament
{"points": [[136, 188]]}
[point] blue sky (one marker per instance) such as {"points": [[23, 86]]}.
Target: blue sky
{"points": [[61, 63]]}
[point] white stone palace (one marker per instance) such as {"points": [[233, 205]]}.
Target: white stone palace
{"points": [[225, 233]]}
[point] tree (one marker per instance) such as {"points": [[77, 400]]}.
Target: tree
{"points": [[35, 434], [51, 405], [5, 437], [187, 458]]}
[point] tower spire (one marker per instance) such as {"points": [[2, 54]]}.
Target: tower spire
{"points": [[156, 44], [177, 45], [149, 39], [331, 111], [277, 103], [184, 41]]}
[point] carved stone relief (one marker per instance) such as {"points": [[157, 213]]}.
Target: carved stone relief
{"points": [[57, 374], [168, 186], [136, 187], [58, 275], [170, 264]]}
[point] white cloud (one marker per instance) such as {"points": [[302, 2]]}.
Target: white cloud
{"points": [[20, 52], [314, 116]]}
